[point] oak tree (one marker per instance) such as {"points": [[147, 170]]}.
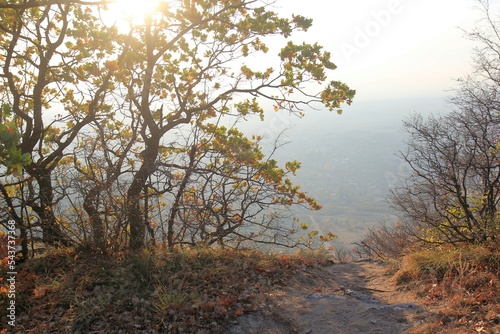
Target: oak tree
{"points": [[231, 194], [68, 71], [190, 58], [53, 83]]}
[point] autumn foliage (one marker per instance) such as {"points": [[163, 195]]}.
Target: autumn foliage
{"points": [[124, 135]]}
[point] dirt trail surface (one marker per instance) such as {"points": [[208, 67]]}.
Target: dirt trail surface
{"points": [[342, 298]]}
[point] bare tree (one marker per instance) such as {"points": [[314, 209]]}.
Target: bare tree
{"points": [[453, 192]]}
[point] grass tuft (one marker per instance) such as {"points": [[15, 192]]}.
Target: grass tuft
{"points": [[462, 284]]}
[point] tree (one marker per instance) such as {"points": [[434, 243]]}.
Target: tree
{"points": [[106, 151], [453, 192], [53, 55], [67, 73], [231, 194], [189, 62]]}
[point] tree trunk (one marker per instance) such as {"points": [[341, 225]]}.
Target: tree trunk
{"points": [[178, 197], [18, 219], [52, 233], [135, 215], [91, 208]]}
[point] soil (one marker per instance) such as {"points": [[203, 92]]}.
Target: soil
{"points": [[350, 298]]}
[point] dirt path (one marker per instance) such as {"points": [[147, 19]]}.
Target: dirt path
{"points": [[343, 298]]}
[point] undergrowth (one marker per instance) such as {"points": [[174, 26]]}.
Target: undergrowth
{"points": [[461, 285], [191, 291]]}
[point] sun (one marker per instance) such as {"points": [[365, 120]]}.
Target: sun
{"points": [[133, 11]]}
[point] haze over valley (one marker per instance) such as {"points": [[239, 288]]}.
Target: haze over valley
{"points": [[349, 161]]}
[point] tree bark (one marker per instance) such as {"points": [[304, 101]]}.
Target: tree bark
{"points": [[90, 206], [135, 215], [52, 233]]}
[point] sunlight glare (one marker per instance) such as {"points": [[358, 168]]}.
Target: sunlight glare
{"points": [[133, 10]]}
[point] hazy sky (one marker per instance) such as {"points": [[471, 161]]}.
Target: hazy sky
{"points": [[389, 49], [385, 49]]}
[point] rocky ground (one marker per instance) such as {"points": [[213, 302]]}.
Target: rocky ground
{"points": [[348, 298]]}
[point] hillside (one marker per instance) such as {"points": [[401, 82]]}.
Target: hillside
{"points": [[243, 292]]}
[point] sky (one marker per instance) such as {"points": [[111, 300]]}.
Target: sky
{"points": [[391, 49], [385, 49]]}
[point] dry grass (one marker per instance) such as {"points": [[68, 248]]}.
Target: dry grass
{"points": [[461, 286], [193, 291]]}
